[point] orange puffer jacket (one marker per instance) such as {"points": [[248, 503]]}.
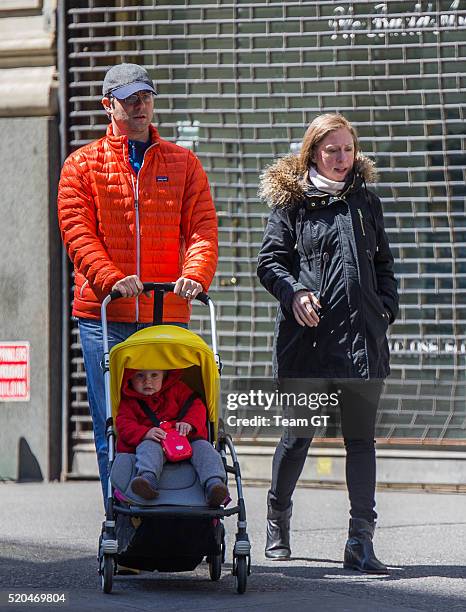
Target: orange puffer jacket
{"points": [[160, 224]]}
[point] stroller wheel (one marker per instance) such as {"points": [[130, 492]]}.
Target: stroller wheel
{"points": [[215, 561], [241, 573], [107, 570], [215, 567]]}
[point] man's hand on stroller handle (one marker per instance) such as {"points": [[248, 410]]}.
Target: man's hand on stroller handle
{"points": [[183, 428], [130, 286], [156, 434], [187, 288]]}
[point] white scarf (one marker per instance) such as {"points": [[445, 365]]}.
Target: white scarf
{"points": [[323, 183]]}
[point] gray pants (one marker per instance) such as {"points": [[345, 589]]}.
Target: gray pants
{"points": [[205, 460]]}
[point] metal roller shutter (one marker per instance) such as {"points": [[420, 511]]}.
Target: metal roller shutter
{"points": [[239, 81]]}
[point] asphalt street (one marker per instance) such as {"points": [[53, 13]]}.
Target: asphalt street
{"points": [[49, 533]]}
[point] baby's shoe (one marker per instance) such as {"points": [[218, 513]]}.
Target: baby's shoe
{"points": [[216, 492], [145, 485]]}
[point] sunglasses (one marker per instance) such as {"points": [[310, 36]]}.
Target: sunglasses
{"points": [[143, 97]]}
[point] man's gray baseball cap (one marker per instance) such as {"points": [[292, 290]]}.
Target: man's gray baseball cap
{"points": [[123, 80]]}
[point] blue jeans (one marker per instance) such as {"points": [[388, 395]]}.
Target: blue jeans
{"points": [[90, 331]]}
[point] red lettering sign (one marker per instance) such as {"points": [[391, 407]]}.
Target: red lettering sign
{"points": [[14, 371]]}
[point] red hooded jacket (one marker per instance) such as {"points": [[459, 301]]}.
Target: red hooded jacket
{"points": [[132, 424]]}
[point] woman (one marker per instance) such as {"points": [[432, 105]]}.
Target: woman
{"points": [[326, 258]]}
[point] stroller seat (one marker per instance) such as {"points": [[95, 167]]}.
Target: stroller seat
{"points": [[179, 484]]}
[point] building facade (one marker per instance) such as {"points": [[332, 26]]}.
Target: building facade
{"points": [[239, 81]]}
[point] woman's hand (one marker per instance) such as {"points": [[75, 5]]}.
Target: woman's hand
{"points": [[183, 428], [155, 434], [303, 307]]}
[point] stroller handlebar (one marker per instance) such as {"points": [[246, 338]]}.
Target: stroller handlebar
{"points": [[164, 288], [159, 290]]}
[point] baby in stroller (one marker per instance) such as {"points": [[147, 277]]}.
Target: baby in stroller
{"points": [[151, 396]]}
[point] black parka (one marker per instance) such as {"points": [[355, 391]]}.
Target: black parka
{"points": [[336, 247]]}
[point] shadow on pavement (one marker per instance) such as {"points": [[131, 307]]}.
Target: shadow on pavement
{"points": [[75, 572]]}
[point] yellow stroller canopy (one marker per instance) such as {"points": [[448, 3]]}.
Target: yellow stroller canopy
{"points": [[167, 347]]}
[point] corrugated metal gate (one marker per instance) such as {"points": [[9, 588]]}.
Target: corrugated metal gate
{"points": [[240, 81]]}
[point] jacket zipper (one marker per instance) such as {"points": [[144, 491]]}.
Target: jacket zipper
{"points": [[138, 238], [83, 286], [136, 210], [362, 222], [314, 254]]}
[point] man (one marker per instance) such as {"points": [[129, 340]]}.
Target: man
{"points": [[132, 208]]}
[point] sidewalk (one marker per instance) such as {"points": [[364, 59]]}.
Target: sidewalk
{"points": [[49, 532]]}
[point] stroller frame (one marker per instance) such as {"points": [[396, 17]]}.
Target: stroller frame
{"points": [[108, 544]]}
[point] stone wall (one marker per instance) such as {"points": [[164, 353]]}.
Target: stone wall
{"points": [[30, 293]]}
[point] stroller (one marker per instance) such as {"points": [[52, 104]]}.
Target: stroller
{"points": [[175, 531]]}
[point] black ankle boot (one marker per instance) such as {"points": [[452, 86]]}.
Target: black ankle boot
{"points": [[278, 533], [359, 552]]}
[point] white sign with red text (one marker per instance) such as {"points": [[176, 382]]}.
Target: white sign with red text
{"points": [[14, 371]]}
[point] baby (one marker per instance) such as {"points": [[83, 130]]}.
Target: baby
{"points": [[165, 395]]}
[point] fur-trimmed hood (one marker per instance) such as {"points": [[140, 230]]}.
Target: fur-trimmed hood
{"points": [[282, 185]]}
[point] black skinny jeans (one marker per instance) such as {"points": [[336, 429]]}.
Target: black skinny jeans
{"points": [[358, 412]]}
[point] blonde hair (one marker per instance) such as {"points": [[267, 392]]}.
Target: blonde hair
{"points": [[318, 130]]}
